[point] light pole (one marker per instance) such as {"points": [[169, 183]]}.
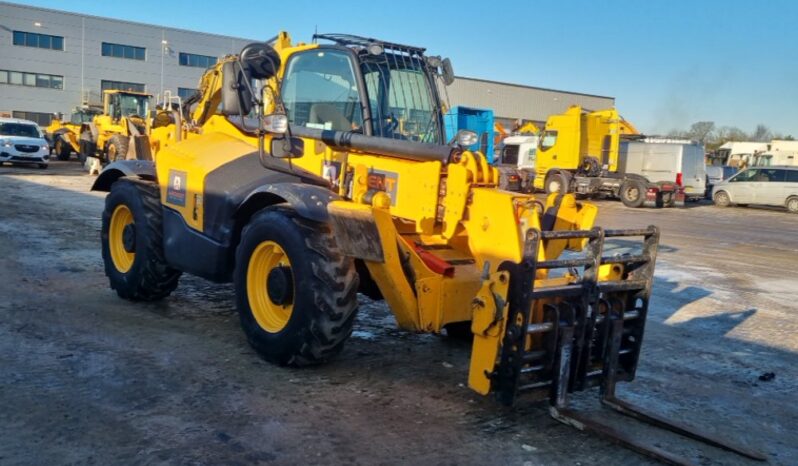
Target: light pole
{"points": [[164, 48]]}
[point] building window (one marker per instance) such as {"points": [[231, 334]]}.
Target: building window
{"points": [[21, 78], [123, 51], [199, 61], [41, 119], [42, 41], [121, 86], [185, 92]]}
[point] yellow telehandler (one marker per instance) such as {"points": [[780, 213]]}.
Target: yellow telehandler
{"points": [[312, 171]]}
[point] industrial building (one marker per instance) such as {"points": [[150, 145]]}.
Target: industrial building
{"points": [[511, 102], [53, 61]]}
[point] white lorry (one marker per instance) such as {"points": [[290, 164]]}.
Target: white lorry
{"points": [[516, 162], [780, 152], [738, 154]]}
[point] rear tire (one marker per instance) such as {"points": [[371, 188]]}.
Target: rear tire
{"points": [[557, 182], [792, 205], [721, 199], [62, 149], [284, 326], [146, 276], [117, 148], [633, 193]]}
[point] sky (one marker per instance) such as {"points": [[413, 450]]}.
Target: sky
{"points": [[667, 63]]}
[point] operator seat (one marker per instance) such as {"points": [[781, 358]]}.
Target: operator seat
{"points": [[327, 113]]}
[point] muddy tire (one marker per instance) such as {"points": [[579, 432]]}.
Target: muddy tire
{"points": [[792, 204], [132, 242], [557, 183], [280, 251], [721, 199], [62, 149], [117, 148], [633, 193]]}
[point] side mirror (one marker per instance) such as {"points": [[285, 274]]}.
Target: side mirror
{"points": [[448, 72], [260, 60], [285, 148]]}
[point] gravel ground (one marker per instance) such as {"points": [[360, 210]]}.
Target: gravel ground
{"points": [[87, 378]]}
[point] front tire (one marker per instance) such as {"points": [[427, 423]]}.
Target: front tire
{"points": [[721, 199], [117, 148], [132, 242], [280, 252], [62, 149], [792, 205]]}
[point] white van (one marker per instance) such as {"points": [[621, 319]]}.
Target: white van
{"points": [[775, 186], [663, 161]]}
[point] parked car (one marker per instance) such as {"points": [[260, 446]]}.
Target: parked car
{"points": [[775, 186], [22, 142], [716, 174]]}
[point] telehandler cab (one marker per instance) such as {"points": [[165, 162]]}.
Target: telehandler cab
{"points": [[312, 171]]}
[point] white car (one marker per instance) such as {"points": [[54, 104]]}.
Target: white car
{"points": [[21, 141]]}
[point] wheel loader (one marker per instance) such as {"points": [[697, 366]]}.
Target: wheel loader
{"points": [[314, 171], [107, 136], [63, 135]]}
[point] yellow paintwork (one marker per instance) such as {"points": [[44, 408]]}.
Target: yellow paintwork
{"points": [[581, 134], [120, 218], [441, 212], [270, 316]]}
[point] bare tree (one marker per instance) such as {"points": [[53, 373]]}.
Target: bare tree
{"points": [[761, 134], [701, 131]]}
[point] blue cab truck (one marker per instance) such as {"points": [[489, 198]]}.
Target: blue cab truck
{"points": [[477, 120]]}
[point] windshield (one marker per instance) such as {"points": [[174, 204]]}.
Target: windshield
{"points": [[133, 105], [510, 154], [82, 117], [401, 98], [19, 129]]}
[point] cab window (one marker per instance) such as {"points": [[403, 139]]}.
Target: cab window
{"points": [[510, 154], [747, 175], [320, 91], [548, 140], [792, 176]]}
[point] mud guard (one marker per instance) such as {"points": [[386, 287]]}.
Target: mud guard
{"points": [[144, 169], [309, 201]]}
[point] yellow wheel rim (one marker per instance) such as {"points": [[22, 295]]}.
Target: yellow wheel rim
{"points": [[121, 218], [112, 153], [271, 316]]}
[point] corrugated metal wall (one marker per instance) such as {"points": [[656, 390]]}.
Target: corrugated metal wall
{"points": [[511, 101]]}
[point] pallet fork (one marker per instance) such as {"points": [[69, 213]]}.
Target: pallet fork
{"points": [[591, 336]]}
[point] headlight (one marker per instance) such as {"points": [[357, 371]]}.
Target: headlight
{"points": [[7, 143], [45, 147]]}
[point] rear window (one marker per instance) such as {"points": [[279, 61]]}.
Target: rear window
{"points": [[792, 176], [19, 129]]}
